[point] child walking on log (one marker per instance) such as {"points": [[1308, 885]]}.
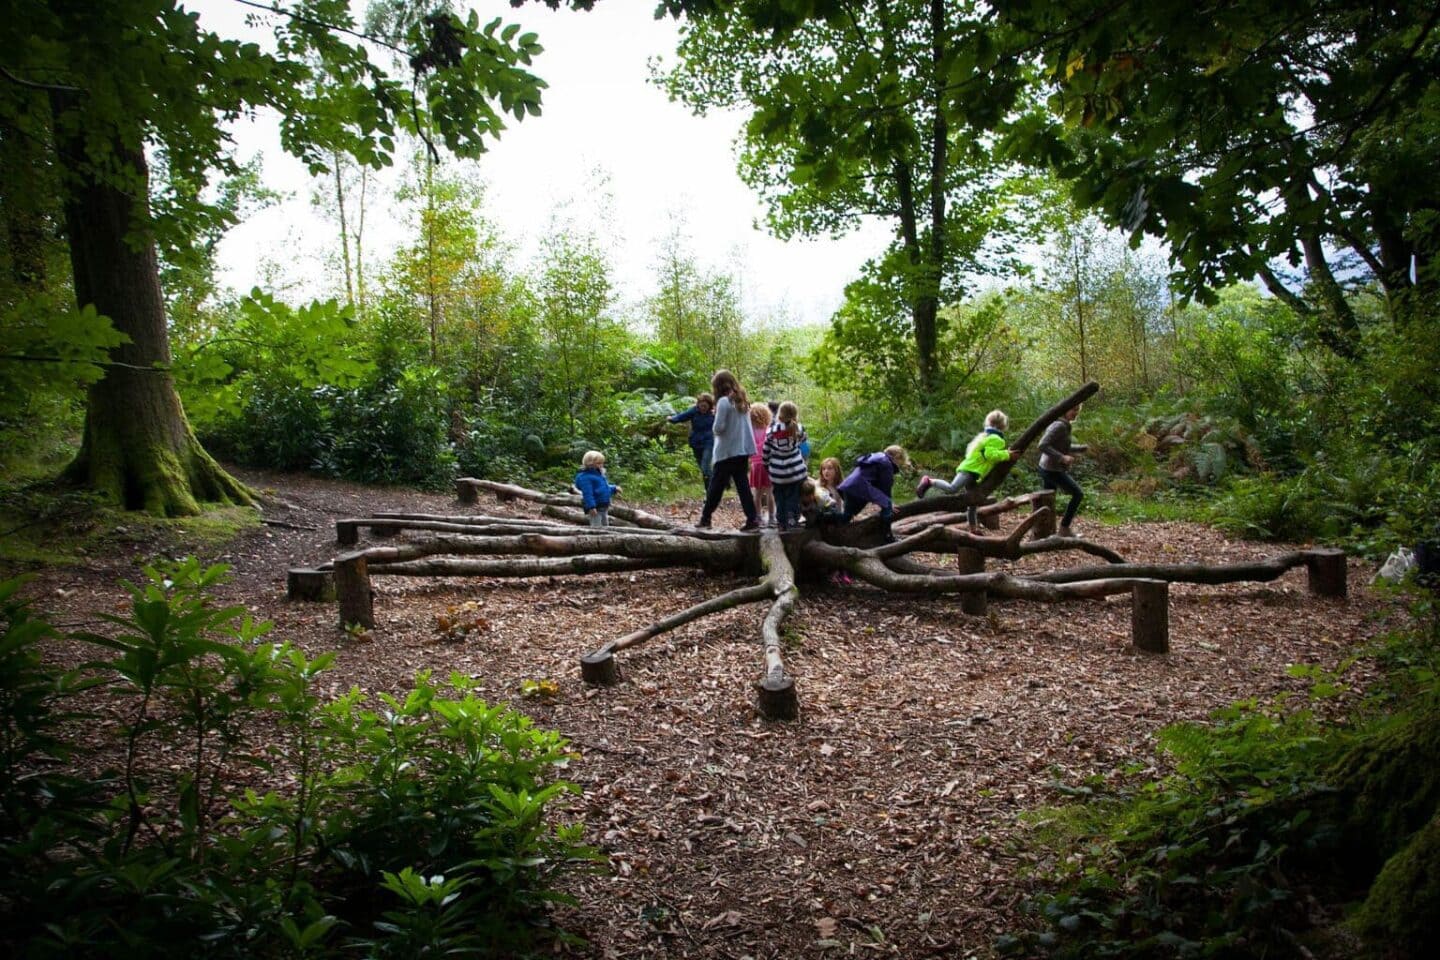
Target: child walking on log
{"points": [[1056, 455], [786, 464], [734, 445], [871, 482], [701, 418], [760, 477], [595, 489], [982, 454]]}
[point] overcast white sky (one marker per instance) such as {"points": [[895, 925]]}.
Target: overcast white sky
{"points": [[600, 113]]}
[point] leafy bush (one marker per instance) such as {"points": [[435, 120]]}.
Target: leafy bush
{"points": [[1268, 807], [416, 827]]}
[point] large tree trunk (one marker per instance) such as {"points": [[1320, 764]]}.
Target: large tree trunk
{"points": [[138, 449]]}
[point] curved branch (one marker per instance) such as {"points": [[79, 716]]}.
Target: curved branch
{"points": [[1260, 570], [734, 598], [1056, 544], [510, 491]]}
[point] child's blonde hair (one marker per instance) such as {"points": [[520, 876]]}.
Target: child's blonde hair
{"points": [[997, 419], [807, 487], [759, 415], [789, 413], [592, 458], [828, 463], [898, 454]]}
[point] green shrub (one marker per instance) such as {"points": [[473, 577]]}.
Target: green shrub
{"points": [[418, 826]]}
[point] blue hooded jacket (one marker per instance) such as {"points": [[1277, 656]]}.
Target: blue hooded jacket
{"points": [[595, 490]]}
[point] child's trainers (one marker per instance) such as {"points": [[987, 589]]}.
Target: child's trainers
{"points": [[923, 487]]}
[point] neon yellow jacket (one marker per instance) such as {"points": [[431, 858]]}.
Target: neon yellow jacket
{"points": [[986, 450]]}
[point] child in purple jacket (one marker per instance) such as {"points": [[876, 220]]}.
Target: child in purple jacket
{"points": [[871, 482]]}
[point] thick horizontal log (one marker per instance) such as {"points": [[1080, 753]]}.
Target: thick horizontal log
{"points": [[1259, 571], [578, 517], [727, 554], [468, 519], [347, 530], [513, 566]]}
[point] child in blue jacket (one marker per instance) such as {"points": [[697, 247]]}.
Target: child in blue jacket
{"points": [[595, 489], [871, 482], [701, 418]]}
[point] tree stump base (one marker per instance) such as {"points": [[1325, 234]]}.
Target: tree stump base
{"points": [[974, 602], [990, 521], [309, 583], [777, 697], [600, 668], [1326, 569], [347, 533], [1150, 616], [466, 492]]}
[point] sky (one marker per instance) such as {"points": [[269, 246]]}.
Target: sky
{"points": [[602, 122]]}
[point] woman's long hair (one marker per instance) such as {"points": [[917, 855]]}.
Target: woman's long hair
{"points": [[725, 384]]}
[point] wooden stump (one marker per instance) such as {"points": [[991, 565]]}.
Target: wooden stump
{"points": [[352, 589], [384, 532], [968, 560], [990, 521], [308, 583], [1327, 572], [778, 700], [466, 492], [1150, 616], [347, 533], [1045, 526], [599, 668]]}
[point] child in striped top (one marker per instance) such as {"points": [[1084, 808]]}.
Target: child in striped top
{"points": [[786, 464]]}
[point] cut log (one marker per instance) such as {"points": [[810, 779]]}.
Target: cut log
{"points": [[638, 517], [968, 561], [1150, 616], [466, 491], [353, 590], [513, 566], [310, 583], [599, 668], [1326, 569]]}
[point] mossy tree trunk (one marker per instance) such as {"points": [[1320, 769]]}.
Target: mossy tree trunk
{"points": [[138, 448]]}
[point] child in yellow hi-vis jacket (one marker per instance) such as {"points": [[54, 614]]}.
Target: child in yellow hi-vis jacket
{"points": [[984, 452]]}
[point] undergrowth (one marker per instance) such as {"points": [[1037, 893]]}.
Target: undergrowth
{"points": [[237, 811], [1271, 812]]}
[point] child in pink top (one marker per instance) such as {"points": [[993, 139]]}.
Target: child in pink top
{"points": [[759, 476]]}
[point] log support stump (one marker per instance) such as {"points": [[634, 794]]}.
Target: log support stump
{"points": [[968, 560], [353, 590], [1150, 616], [600, 668], [1045, 526], [466, 492], [777, 697], [347, 533], [1327, 572], [309, 583]]}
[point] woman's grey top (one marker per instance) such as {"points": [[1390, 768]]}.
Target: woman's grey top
{"points": [[1055, 446], [733, 436]]}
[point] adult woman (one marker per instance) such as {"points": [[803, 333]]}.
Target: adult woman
{"points": [[734, 446]]}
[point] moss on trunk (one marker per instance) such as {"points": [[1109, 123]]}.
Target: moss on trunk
{"points": [[1403, 908]]}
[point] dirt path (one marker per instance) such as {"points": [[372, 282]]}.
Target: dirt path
{"points": [[882, 821]]}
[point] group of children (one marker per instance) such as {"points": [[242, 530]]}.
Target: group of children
{"points": [[763, 450]]}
